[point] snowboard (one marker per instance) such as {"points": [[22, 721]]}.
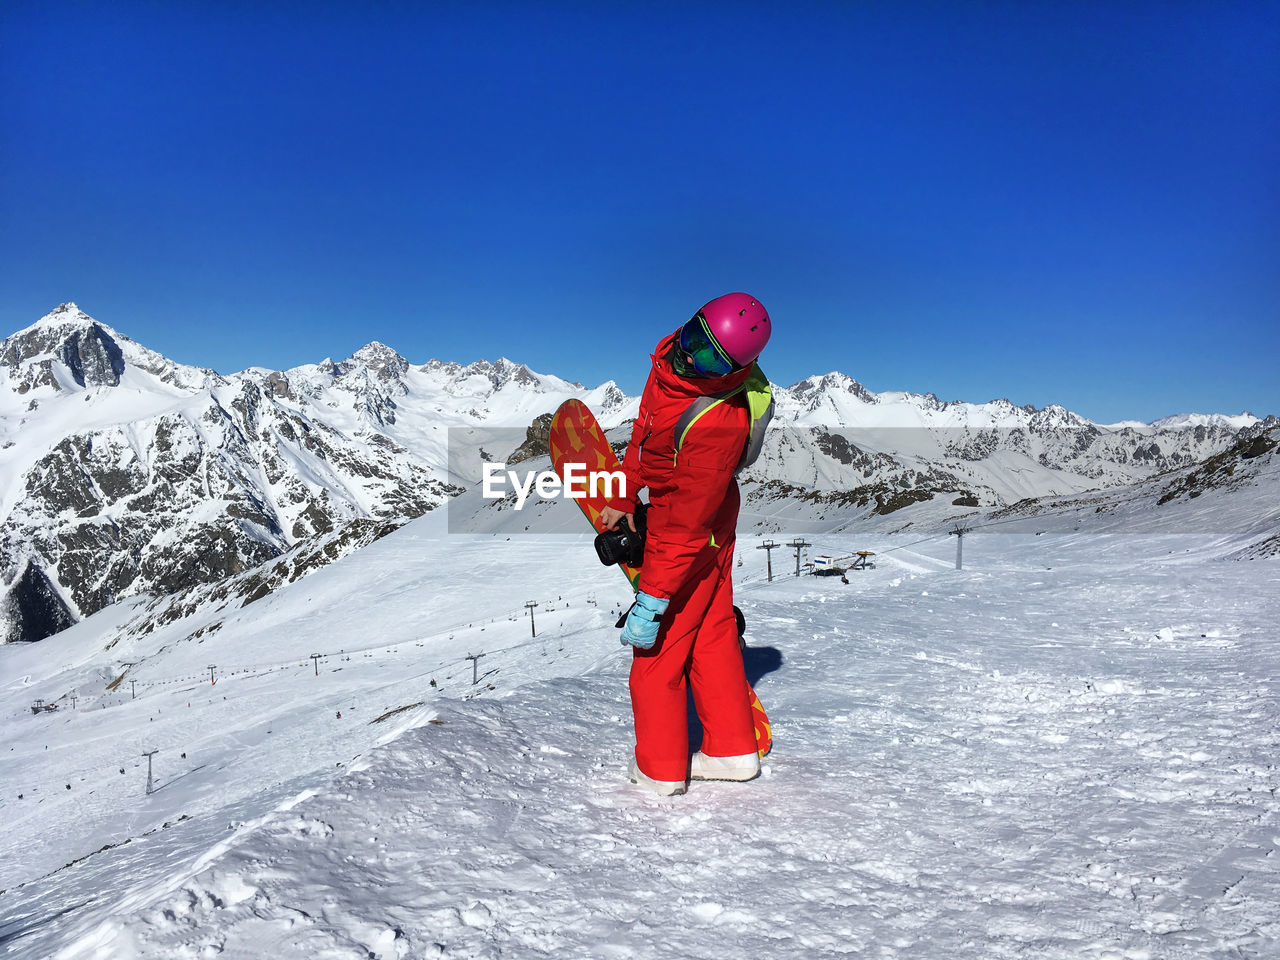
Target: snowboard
{"points": [[577, 439]]}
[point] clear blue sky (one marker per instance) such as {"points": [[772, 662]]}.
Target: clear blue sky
{"points": [[1054, 202]]}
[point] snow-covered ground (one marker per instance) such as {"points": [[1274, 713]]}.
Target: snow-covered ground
{"points": [[1067, 749]]}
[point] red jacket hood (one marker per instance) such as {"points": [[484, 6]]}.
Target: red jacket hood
{"points": [[692, 387]]}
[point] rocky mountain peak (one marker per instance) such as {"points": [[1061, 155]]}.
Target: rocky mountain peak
{"points": [[499, 373], [930, 401], [508, 371], [379, 359], [63, 314], [612, 396], [64, 322], [811, 389], [88, 350], [433, 365], [67, 348]]}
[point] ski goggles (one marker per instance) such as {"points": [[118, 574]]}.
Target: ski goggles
{"points": [[701, 352]]}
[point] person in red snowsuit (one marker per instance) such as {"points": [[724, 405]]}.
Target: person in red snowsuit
{"points": [[683, 625]]}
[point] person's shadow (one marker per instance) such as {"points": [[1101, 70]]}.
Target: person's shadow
{"points": [[759, 661]]}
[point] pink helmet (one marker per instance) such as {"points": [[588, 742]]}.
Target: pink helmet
{"points": [[740, 325]]}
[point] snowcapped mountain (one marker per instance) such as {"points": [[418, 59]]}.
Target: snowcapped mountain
{"points": [[123, 473], [840, 446], [1233, 496]]}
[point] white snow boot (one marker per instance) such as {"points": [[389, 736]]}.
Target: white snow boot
{"points": [[745, 767], [663, 788]]}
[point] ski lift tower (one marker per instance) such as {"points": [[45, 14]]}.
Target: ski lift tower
{"points": [[475, 666], [150, 782], [959, 533], [768, 547], [799, 544]]}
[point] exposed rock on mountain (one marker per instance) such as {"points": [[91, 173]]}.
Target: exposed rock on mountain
{"points": [[34, 607], [1220, 470], [537, 441]]}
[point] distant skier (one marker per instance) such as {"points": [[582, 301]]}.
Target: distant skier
{"points": [[701, 419], [339, 714]]}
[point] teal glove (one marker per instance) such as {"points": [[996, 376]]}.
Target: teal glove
{"points": [[641, 628]]}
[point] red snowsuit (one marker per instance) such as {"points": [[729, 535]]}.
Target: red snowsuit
{"points": [[692, 518]]}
